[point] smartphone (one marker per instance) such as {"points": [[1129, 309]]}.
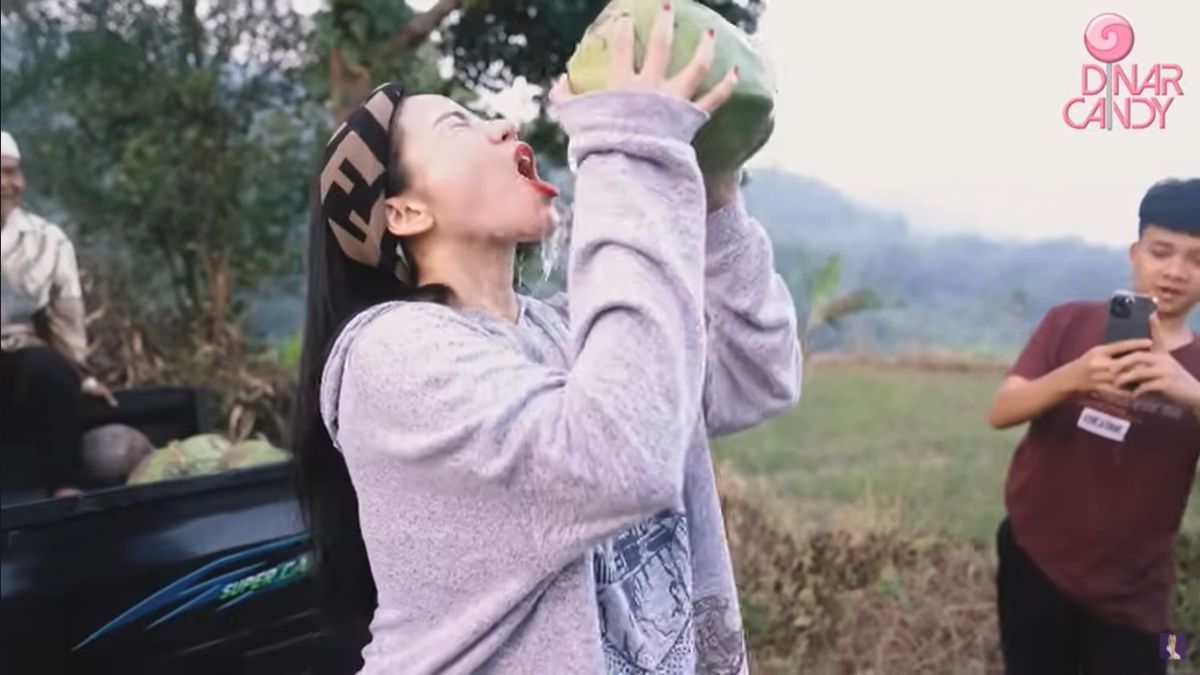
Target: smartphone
{"points": [[1129, 319], [1129, 316]]}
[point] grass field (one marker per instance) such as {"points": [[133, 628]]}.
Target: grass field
{"points": [[891, 441], [873, 447]]}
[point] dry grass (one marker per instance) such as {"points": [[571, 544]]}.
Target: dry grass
{"points": [[133, 348], [866, 599]]}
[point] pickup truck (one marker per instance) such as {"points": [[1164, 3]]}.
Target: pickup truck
{"points": [[208, 574]]}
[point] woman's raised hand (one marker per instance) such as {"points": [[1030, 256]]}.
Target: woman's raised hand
{"points": [[653, 76]]}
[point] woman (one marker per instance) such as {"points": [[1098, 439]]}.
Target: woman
{"points": [[532, 480]]}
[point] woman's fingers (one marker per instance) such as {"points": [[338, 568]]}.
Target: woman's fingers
{"points": [[658, 49], [653, 75], [622, 63], [720, 93], [687, 82], [561, 91]]}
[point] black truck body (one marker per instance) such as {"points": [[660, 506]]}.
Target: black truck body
{"points": [[208, 574]]}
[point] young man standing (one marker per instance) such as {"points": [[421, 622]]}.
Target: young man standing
{"points": [[1097, 488]]}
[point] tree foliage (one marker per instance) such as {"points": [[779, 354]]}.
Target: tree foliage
{"points": [[500, 41], [828, 307], [486, 44], [180, 134]]}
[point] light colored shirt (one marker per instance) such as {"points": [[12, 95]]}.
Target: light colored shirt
{"points": [[40, 278], [539, 496]]}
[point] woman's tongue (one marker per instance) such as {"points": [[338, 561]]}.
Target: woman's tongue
{"points": [[543, 187], [527, 170]]}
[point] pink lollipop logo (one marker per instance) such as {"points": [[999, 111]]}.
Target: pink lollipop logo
{"points": [[1148, 92], [1108, 38]]}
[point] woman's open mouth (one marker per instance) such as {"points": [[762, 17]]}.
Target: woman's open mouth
{"points": [[527, 167]]}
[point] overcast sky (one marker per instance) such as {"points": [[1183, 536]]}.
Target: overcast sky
{"points": [[951, 111]]}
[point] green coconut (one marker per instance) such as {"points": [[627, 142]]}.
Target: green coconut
{"points": [[194, 456], [741, 126], [255, 452]]}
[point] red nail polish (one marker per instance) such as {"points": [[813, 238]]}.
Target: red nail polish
{"points": [[712, 33], [666, 6]]}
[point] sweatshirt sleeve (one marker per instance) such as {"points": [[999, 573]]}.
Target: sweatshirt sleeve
{"points": [[585, 452], [753, 358]]}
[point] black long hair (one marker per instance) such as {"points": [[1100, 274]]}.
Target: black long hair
{"points": [[339, 288]]}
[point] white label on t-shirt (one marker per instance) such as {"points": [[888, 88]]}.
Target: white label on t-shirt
{"points": [[1104, 425]]}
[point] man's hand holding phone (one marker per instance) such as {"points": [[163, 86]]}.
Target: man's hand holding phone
{"points": [[1155, 370], [1098, 369]]}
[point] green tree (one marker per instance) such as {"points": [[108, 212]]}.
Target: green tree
{"points": [[184, 133], [181, 133], [486, 43], [828, 306], [360, 43]]}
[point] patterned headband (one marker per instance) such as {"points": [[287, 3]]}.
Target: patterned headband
{"points": [[353, 184]]}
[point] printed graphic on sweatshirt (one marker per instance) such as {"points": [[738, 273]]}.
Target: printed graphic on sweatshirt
{"points": [[644, 589], [719, 645]]}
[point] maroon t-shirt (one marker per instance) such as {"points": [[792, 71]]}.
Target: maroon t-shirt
{"points": [[1099, 516]]}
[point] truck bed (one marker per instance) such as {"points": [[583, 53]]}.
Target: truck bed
{"points": [[203, 575]]}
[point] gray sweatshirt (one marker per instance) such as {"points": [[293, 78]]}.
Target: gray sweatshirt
{"points": [[539, 497]]}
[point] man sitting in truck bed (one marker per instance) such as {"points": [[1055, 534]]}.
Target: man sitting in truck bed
{"points": [[43, 360]]}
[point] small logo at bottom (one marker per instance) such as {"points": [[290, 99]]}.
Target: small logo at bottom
{"points": [[1172, 646]]}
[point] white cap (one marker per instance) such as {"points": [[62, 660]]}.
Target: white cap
{"points": [[8, 146]]}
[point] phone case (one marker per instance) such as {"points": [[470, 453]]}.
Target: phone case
{"points": [[1129, 317]]}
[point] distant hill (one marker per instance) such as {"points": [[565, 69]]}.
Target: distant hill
{"points": [[961, 292]]}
